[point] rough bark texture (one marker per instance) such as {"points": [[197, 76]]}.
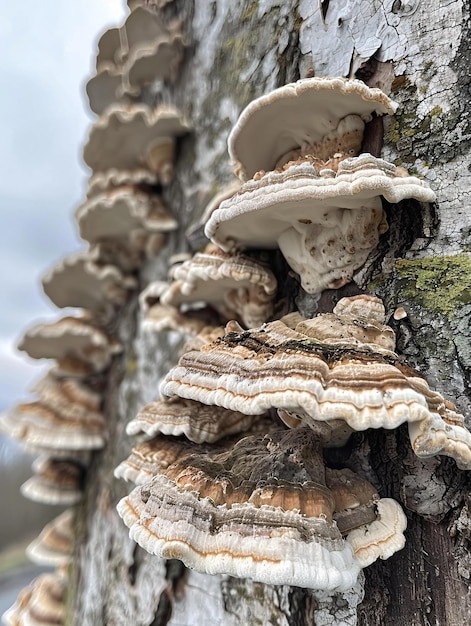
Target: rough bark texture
{"points": [[237, 51]]}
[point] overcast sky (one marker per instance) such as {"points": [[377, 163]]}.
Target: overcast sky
{"points": [[48, 53]]}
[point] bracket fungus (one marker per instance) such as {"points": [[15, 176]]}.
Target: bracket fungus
{"points": [[109, 48], [80, 347], [42, 603], [260, 510], [54, 545], [356, 321], [237, 285], [55, 481], [300, 116], [159, 317], [64, 417], [138, 178], [156, 60], [115, 213], [277, 367], [128, 137], [78, 281], [141, 51], [326, 223], [152, 457], [198, 422], [102, 88]]}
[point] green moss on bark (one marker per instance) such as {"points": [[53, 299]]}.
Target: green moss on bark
{"points": [[441, 284]]}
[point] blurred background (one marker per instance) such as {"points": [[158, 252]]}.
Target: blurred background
{"points": [[48, 53]]}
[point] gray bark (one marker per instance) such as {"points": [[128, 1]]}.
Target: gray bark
{"points": [[236, 52]]}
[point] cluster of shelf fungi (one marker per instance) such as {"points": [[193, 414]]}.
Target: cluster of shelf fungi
{"points": [[229, 472]]}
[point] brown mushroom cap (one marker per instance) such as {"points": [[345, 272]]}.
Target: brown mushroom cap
{"points": [[115, 213], [198, 422], [259, 510], [283, 120], [276, 367], [78, 281], [66, 417], [42, 603], [54, 545], [355, 499], [102, 88], [56, 481], [235, 284], [76, 342], [123, 136]]}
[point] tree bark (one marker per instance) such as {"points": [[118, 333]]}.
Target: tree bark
{"points": [[236, 51]]}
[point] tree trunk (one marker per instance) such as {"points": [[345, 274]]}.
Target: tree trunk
{"points": [[236, 51]]}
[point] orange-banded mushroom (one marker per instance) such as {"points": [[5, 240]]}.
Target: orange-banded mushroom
{"points": [[65, 417], [42, 603], [325, 223], [55, 481], [277, 367], [237, 285], [55, 544], [259, 510], [149, 458]]}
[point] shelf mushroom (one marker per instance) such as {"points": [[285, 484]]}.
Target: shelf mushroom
{"points": [[54, 545], [65, 417], [312, 380], [128, 137], [198, 422], [116, 213], [80, 347], [138, 178], [43, 602], [78, 281], [237, 285], [325, 223], [310, 194], [55, 481], [150, 457], [261, 510], [155, 60], [158, 317], [141, 51], [317, 117], [102, 89]]}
